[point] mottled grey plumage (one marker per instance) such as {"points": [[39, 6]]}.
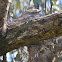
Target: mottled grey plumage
{"points": [[28, 15]]}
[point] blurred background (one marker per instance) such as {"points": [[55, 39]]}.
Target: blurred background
{"points": [[17, 7]]}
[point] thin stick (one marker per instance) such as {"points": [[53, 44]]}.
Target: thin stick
{"points": [[51, 7], [45, 7]]}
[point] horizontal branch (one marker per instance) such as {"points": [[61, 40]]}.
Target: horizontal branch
{"points": [[25, 31]]}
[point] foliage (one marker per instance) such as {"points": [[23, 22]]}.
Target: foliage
{"points": [[19, 6], [11, 52], [42, 49]]}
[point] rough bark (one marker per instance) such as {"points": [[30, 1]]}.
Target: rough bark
{"points": [[25, 31], [35, 55]]}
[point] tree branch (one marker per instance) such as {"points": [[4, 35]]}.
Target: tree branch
{"points": [[26, 30]]}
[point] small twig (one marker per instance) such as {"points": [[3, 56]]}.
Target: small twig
{"points": [[56, 50], [55, 59], [51, 7], [45, 7]]}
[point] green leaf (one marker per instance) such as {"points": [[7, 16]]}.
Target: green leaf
{"points": [[48, 11], [42, 49], [54, 4], [18, 5], [11, 52], [19, 54]]}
